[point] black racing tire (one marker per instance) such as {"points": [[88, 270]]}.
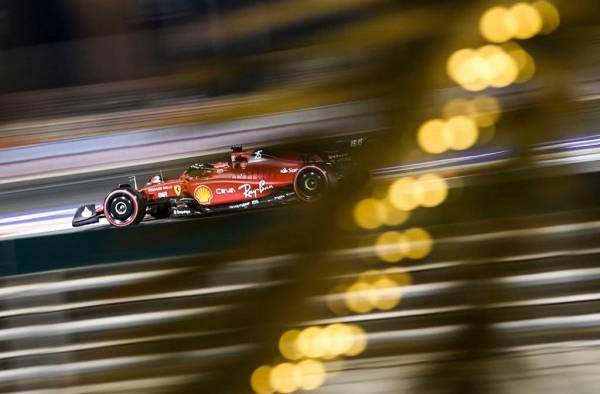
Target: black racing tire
{"points": [[311, 183], [160, 211], [124, 207]]}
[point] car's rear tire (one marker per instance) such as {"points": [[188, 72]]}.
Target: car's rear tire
{"points": [[124, 207], [311, 183]]}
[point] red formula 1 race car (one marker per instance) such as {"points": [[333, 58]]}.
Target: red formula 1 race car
{"points": [[250, 178]]}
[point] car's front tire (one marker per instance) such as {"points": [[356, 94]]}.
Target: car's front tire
{"points": [[124, 207]]}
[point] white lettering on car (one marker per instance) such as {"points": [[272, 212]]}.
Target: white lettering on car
{"points": [[86, 213], [288, 170], [249, 192], [160, 188], [228, 190]]}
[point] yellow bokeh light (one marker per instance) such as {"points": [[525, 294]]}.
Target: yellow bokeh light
{"points": [[420, 243], [492, 25], [524, 62], [456, 107], [393, 216], [369, 213], [431, 136], [391, 246], [340, 338], [403, 194], [484, 109], [456, 60], [399, 276], [427, 190], [369, 276], [506, 70], [524, 21], [463, 132], [312, 374], [312, 342], [472, 74], [335, 300], [433, 190], [285, 378], [359, 298], [288, 345], [260, 380], [372, 290], [488, 66], [359, 341], [549, 14], [388, 293]]}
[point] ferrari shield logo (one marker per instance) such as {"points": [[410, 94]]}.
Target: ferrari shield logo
{"points": [[203, 194], [177, 189]]}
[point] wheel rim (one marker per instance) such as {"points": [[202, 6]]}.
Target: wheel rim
{"points": [[121, 208], [311, 184]]}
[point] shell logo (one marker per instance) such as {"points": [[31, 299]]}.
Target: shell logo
{"points": [[203, 194]]}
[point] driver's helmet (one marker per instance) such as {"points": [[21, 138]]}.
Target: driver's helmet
{"points": [[154, 180]]}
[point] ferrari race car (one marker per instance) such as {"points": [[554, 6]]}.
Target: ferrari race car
{"points": [[250, 178]]}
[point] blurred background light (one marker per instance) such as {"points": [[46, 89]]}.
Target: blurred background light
{"points": [[312, 373], [312, 342], [433, 190], [359, 298], [288, 346], [420, 243], [492, 25], [520, 21], [285, 378], [260, 380], [369, 213], [387, 293], [523, 59], [431, 139], [483, 109], [461, 132], [523, 21], [428, 190], [393, 216], [549, 14], [404, 194], [336, 301], [359, 341], [289, 377], [375, 291], [391, 246], [341, 339], [488, 66]]}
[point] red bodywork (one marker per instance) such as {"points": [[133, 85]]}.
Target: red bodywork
{"points": [[227, 183], [253, 177]]}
